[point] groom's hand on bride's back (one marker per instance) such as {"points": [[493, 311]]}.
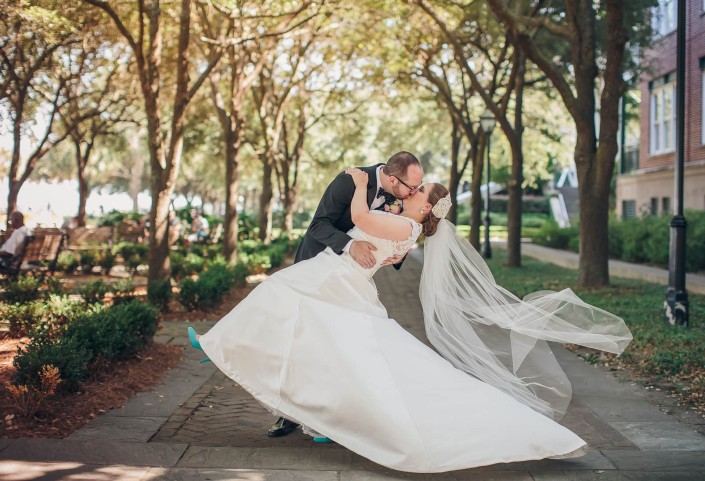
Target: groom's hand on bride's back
{"points": [[393, 260], [361, 251]]}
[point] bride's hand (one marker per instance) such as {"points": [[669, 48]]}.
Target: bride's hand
{"points": [[359, 177]]}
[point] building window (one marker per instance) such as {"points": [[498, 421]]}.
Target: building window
{"points": [[653, 206], [663, 18], [663, 115], [628, 209], [665, 205]]}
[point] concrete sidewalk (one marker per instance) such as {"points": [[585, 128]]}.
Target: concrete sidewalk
{"points": [[199, 425], [694, 283]]}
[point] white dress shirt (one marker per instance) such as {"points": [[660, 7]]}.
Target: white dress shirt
{"points": [[12, 245]]}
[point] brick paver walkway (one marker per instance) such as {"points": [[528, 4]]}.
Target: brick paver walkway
{"points": [[198, 424]]}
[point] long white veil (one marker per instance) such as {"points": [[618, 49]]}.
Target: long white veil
{"points": [[488, 332]]}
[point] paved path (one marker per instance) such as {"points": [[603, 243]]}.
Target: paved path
{"points": [[693, 282], [199, 425]]}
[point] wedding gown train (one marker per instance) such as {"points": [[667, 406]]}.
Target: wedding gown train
{"points": [[314, 344]]}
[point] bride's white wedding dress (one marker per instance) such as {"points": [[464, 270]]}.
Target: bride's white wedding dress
{"points": [[314, 344]]}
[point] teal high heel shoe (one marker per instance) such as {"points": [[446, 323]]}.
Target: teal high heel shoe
{"points": [[322, 440], [194, 342]]}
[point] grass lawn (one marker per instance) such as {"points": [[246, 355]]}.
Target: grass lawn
{"points": [[662, 354]]}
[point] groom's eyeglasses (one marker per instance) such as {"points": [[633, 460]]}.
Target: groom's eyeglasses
{"points": [[412, 189]]}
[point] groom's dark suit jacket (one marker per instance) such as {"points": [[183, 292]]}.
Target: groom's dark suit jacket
{"points": [[332, 219]]}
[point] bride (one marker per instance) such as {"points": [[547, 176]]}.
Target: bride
{"points": [[314, 344]]}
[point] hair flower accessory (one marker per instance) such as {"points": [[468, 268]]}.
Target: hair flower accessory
{"points": [[442, 207]]}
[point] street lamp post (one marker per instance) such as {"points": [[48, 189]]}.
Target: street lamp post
{"points": [[487, 123], [676, 303]]}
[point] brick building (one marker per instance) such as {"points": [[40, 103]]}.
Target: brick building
{"points": [[647, 186]]}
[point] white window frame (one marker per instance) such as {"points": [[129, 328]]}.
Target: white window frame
{"points": [[658, 124], [664, 17]]}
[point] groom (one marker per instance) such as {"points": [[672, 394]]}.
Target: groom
{"points": [[399, 178]]}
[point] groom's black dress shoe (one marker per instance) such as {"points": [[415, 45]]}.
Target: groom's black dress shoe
{"points": [[281, 428]]}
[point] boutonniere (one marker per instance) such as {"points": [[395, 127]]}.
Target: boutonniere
{"points": [[394, 207]]}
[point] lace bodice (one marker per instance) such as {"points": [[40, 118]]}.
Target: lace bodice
{"points": [[385, 247]]}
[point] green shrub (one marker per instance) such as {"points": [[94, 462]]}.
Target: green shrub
{"points": [[194, 263], [64, 353], [88, 259], [123, 291], [134, 262], [656, 244], [94, 291], [107, 261], [52, 286], [126, 249], [111, 333], [614, 239], [22, 317], [67, 262], [240, 274], [59, 312], [250, 246], [276, 256], [159, 293], [550, 235], [247, 226], [142, 250], [178, 265], [114, 333], [634, 236], [188, 294], [210, 287], [199, 250], [22, 289], [695, 233]]}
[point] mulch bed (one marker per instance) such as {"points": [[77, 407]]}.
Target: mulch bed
{"points": [[110, 385], [107, 388]]}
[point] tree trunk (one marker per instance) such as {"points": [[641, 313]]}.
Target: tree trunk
{"points": [[14, 184], [478, 155], [81, 163], [12, 195], [136, 172], [230, 231], [454, 174], [289, 204], [82, 199], [265, 205], [514, 206]]}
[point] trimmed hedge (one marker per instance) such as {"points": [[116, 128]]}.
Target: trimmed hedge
{"points": [[211, 286], [113, 333], [643, 240]]}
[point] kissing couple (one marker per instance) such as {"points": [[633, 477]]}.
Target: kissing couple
{"points": [[315, 346]]}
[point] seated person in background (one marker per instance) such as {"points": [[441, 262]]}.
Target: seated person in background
{"points": [[13, 244], [199, 228]]}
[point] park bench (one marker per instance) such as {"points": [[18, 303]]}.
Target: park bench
{"points": [[124, 232], [90, 238], [42, 251], [39, 253]]}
